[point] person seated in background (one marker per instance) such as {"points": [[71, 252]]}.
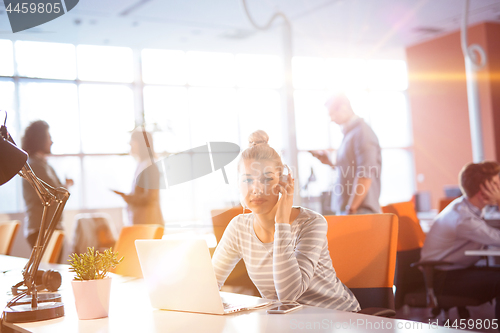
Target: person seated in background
{"points": [[143, 205], [37, 142], [461, 227], [284, 248]]}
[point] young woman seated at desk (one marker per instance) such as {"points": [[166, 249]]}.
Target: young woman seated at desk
{"points": [[284, 248]]}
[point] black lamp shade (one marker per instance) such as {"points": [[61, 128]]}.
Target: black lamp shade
{"points": [[12, 159]]}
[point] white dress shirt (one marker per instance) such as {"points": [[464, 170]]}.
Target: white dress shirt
{"points": [[458, 228]]}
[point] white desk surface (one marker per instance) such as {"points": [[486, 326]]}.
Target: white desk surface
{"points": [[482, 253], [130, 311]]}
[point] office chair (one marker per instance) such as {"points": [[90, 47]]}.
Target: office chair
{"points": [[125, 246], [443, 202], [414, 280], [93, 230], [363, 253], [54, 247], [411, 238], [8, 231], [239, 277]]}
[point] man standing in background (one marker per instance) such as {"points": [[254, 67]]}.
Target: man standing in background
{"points": [[358, 163]]}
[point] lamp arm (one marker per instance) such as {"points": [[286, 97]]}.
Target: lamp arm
{"points": [[48, 196], [62, 196], [42, 189], [16, 311]]}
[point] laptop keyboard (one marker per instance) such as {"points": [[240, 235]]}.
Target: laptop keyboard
{"points": [[228, 306]]}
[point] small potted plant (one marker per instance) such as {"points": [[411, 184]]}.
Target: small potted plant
{"points": [[91, 285]]}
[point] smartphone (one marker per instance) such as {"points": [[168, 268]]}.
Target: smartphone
{"points": [[316, 153], [284, 308]]}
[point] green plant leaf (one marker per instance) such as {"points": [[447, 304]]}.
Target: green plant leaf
{"points": [[93, 265]]}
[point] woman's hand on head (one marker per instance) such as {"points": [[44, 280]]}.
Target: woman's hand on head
{"points": [[286, 188]]}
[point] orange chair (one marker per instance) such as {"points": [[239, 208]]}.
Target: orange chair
{"points": [[93, 230], [125, 246], [8, 231], [443, 202], [410, 235], [222, 217], [239, 277], [54, 247], [409, 281], [363, 252]]}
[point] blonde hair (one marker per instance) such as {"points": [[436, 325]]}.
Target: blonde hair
{"points": [[140, 136], [259, 149]]}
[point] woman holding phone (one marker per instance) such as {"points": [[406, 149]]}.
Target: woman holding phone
{"points": [[285, 248], [143, 205]]}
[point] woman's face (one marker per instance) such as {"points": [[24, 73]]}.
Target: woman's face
{"points": [[134, 148], [47, 144], [256, 181]]}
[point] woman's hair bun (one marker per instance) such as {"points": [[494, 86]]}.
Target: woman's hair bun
{"points": [[257, 138], [259, 149]]}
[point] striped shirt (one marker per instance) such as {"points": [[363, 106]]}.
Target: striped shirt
{"points": [[295, 267]]}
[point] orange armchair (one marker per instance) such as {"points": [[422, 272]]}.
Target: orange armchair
{"points": [[239, 277], [363, 253], [8, 231], [125, 247]]}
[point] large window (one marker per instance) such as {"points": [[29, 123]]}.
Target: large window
{"points": [[198, 97], [6, 58], [57, 104], [105, 63], [46, 60], [90, 123], [94, 96], [106, 116]]}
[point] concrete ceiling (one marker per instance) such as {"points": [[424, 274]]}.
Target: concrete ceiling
{"points": [[328, 28]]}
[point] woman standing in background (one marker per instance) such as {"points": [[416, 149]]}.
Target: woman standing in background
{"points": [[143, 205], [37, 142]]}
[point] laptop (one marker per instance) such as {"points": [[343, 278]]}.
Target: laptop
{"points": [[179, 276]]}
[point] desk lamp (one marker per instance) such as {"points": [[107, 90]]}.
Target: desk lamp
{"points": [[13, 160]]}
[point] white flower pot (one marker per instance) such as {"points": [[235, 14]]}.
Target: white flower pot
{"points": [[92, 298]]}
